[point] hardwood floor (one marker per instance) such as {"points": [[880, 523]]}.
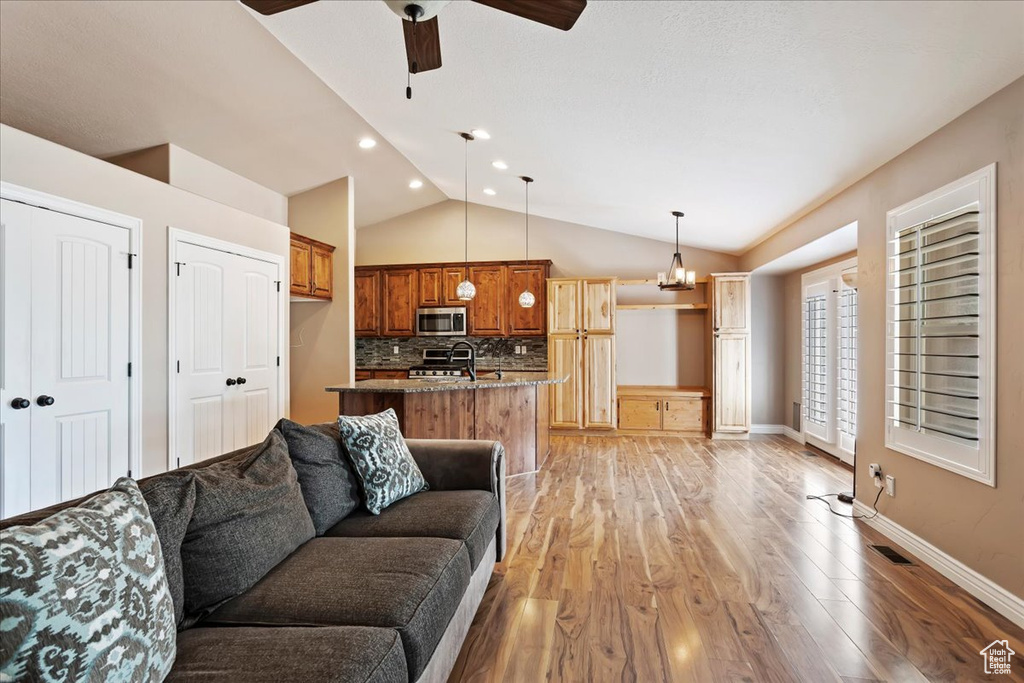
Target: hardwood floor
{"points": [[682, 559]]}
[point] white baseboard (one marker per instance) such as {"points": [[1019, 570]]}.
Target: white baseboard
{"points": [[766, 429], [992, 594], [793, 434]]}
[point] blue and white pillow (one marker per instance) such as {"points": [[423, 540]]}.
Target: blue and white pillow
{"points": [[84, 596], [382, 461]]}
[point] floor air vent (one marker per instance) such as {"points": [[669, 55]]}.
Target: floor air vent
{"points": [[888, 553], [809, 454]]}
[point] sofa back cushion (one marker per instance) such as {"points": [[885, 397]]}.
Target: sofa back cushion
{"points": [[171, 498], [248, 516], [385, 467], [329, 486], [84, 595]]}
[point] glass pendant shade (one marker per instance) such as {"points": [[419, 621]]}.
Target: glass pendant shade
{"points": [[677, 277], [465, 291], [527, 299]]}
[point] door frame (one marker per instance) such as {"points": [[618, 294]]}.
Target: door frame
{"points": [[831, 277], [70, 207], [176, 236]]}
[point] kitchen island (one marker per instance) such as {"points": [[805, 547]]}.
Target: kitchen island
{"points": [[512, 409]]}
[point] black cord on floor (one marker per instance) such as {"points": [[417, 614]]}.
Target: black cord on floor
{"points": [[874, 506]]}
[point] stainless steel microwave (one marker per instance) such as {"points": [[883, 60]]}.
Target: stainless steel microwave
{"points": [[441, 322]]}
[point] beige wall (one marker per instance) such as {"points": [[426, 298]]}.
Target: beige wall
{"points": [[653, 347], [767, 338], [37, 164], [322, 341], [976, 524], [183, 169]]}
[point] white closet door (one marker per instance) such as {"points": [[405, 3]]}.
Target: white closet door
{"points": [[256, 400], [226, 326]]}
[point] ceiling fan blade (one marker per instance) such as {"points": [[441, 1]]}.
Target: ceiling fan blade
{"points": [[422, 45], [560, 14], [269, 7]]}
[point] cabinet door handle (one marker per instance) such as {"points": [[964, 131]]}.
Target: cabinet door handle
{"points": [[666, 405], [657, 406]]}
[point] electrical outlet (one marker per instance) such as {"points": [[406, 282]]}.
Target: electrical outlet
{"points": [[875, 470], [394, 349], [519, 349], [890, 485]]}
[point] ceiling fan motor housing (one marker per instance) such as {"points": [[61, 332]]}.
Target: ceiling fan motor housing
{"points": [[422, 10]]}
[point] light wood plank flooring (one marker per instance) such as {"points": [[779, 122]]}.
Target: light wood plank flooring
{"points": [[683, 559]]}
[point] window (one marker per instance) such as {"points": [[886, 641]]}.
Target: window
{"points": [[815, 360], [940, 349]]}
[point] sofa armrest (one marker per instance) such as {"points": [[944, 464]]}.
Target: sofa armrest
{"points": [[459, 465]]}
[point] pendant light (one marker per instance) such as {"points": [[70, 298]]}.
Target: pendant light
{"points": [[527, 299], [466, 290], [678, 278]]}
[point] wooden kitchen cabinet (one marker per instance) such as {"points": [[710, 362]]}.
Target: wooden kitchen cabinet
{"points": [[399, 297], [731, 298], [639, 412], [526, 322], [663, 408], [564, 306], [487, 310], [391, 374], [730, 369], [452, 276], [312, 268], [366, 300], [565, 360], [363, 374], [431, 288], [598, 306], [599, 381]]}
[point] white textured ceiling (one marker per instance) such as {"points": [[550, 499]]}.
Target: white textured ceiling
{"points": [[111, 77], [743, 115]]}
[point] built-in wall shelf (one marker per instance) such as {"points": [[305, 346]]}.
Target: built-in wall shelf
{"points": [[653, 281], [657, 307]]}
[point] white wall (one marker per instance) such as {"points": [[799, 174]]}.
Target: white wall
{"points": [[768, 341], [41, 165]]}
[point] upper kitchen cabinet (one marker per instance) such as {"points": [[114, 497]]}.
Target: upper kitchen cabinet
{"points": [[599, 306], [366, 298], [731, 298], [564, 306], [431, 287], [399, 295], [487, 310], [312, 269], [451, 277], [526, 322]]}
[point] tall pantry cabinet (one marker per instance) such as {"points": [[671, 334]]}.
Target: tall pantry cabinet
{"points": [[729, 361], [581, 346]]}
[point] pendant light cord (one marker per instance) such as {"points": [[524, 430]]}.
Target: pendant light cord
{"points": [[466, 202], [677, 234], [527, 220]]}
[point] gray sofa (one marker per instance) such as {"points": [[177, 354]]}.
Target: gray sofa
{"points": [[386, 598]]}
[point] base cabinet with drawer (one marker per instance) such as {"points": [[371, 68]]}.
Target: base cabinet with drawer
{"points": [[663, 409]]}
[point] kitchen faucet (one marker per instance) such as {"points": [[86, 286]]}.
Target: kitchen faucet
{"points": [[471, 366]]}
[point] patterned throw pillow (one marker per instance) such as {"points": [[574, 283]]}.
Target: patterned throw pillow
{"points": [[381, 459], [84, 596]]}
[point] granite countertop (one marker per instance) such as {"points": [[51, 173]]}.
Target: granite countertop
{"points": [[416, 386]]}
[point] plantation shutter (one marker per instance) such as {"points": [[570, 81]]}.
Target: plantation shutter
{"points": [[848, 361], [815, 359]]}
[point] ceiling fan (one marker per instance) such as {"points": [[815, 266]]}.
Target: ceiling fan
{"points": [[422, 41]]}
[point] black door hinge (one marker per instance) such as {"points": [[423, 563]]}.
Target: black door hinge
{"points": [[178, 265], [129, 473], [279, 361], [278, 283], [129, 369], [131, 256], [178, 460], [178, 363]]}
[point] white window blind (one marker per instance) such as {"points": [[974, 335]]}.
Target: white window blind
{"points": [[815, 361], [848, 361], [940, 329]]}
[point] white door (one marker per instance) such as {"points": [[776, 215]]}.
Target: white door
{"points": [[226, 327], [66, 286]]}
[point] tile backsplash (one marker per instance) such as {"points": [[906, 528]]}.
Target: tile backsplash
{"points": [[378, 353]]}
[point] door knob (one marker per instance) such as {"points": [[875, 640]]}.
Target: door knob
{"points": [[20, 403], [231, 382], [44, 400], [241, 380]]}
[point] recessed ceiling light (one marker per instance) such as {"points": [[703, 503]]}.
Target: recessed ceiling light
{"points": [[416, 184], [367, 143], [489, 191], [480, 133], [500, 165]]}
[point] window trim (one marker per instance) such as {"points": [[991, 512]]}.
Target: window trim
{"points": [[977, 188]]}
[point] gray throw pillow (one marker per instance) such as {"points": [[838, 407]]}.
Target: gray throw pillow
{"points": [[171, 498], [383, 463], [329, 486], [84, 596], [249, 515]]}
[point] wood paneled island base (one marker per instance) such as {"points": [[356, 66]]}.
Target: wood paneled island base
{"points": [[513, 410]]}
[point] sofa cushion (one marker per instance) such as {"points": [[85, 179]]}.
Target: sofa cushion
{"points": [[376, 449], [468, 516], [84, 595], [413, 585], [329, 486], [341, 654], [249, 515], [170, 498]]}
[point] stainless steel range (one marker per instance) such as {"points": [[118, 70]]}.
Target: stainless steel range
{"points": [[437, 366]]}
